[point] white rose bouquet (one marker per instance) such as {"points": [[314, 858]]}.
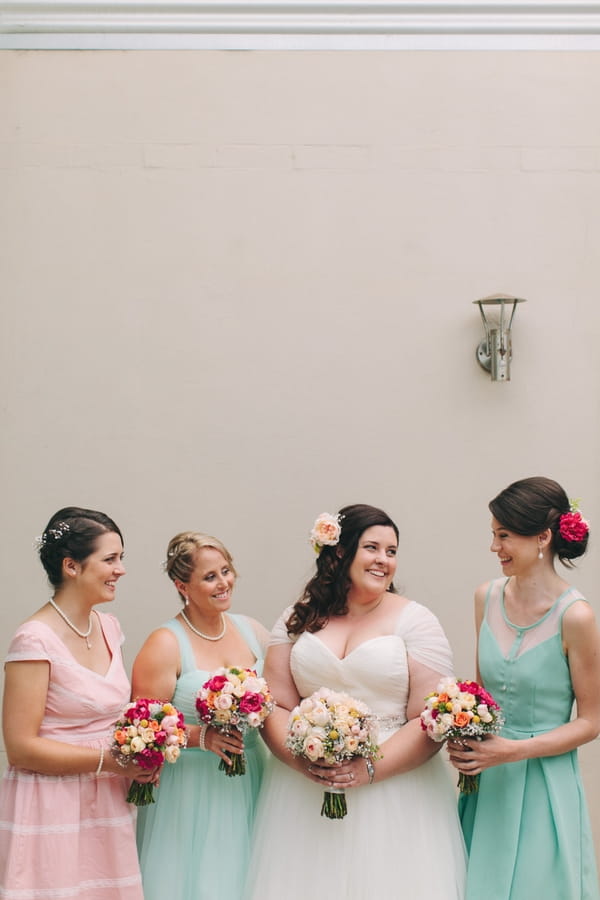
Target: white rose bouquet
{"points": [[460, 709], [150, 732], [234, 698], [332, 727]]}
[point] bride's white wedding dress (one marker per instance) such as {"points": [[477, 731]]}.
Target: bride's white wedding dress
{"points": [[401, 837]]}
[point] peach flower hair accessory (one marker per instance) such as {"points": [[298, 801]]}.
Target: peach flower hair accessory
{"points": [[325, 532], [571, 525]]}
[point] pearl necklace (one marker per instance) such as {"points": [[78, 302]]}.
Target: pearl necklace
{"points": [[207, 637], [82, 634]]}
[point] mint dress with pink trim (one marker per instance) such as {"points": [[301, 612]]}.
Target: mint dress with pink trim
{"points": [[527, 828], [70, 836]]}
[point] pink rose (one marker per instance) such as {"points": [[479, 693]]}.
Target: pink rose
{"points": [[251, 703], [149, 759], [573, 527], [215, 683]]}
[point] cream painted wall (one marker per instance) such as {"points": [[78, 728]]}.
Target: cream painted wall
{"points": [[237, 292]]}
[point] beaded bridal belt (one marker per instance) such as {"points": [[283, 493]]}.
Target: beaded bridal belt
{"points": [[389, 723]]}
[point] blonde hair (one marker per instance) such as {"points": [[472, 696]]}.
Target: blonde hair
{"points": [[181, 555]]}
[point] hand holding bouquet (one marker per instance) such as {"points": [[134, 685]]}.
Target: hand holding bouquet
{"points": [[234, 698], [331, 727], [457, 710], [150, 733]]}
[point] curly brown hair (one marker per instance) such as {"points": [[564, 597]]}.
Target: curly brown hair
{"points": [[326, 593]]}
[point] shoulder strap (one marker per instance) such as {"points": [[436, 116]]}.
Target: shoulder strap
{"points": [[493, 594], [247, 631], [188, 661], [567, 600]]}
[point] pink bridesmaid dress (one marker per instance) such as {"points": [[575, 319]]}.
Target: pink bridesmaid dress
{"points": [[70, 836]]}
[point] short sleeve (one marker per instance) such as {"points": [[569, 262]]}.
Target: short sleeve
{"points": [[279, 633], [28, 644], [425, 640]]}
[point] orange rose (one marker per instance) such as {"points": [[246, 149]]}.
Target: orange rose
{"points": [[120, 736], [443, 698], [461, 719]]}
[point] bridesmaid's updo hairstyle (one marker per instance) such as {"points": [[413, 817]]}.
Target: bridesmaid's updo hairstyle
{"points": [[71, 533], [532, 505], [181, 555], [326, 593]]}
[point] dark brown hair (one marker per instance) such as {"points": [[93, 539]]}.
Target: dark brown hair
{"points": [[532, 505], [326, 593], [73, 533]]}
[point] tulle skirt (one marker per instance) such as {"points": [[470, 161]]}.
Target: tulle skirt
{"points": [[400, 837]]}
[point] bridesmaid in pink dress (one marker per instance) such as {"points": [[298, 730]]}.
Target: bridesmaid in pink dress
{"points": [[66, 830]]}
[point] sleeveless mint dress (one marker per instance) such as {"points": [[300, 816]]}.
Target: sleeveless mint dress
{"points": [[527, 828], [193, 842]]}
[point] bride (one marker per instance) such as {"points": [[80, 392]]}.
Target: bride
{"points": [[352, 632]]}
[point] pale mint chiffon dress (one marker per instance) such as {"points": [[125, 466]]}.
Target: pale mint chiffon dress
{"points": [[401, 837], [194, 842], [527, 827]]}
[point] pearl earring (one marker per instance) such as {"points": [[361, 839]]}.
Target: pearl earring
{"points": [[186, 601], [541, 554]]}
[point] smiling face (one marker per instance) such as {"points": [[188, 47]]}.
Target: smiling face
{"points": [[517, 552], [374, 564], [211, 583], [98, 574]]}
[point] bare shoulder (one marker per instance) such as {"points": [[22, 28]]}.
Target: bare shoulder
{"points": [[161, 641], [579, 616], [481, 592]]}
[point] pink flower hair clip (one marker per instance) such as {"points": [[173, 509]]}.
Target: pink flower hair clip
{"points": [[572, 526]]}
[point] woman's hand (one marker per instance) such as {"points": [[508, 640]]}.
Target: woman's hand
{"points": [[221, 743], [349, 774], [471, 756]]}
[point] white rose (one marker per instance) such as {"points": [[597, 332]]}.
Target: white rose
{"points": [[131, 731], [223, 701], [313, 748], [222, 716], [320, 715], [137, 744], [468, 701], [147, 735], [253, 719], [172, 753], [484, 713], [228, 687]]}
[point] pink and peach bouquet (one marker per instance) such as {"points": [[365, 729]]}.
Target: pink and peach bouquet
{"points": [[328, 728], [234, 698], [458, 710], [151, 733]]}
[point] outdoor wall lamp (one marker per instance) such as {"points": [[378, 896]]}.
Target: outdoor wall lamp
{"points": [[494, 352]]}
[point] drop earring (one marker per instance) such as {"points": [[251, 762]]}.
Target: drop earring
{"points": [[541, 554], [186, 601]]}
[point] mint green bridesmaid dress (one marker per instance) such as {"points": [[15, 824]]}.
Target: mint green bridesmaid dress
{"points": [[194, 842], [527, 829]]}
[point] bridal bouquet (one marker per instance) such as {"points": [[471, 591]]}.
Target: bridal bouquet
{"points": [[460, 709], [150, 733], [234, 698], [331, 727]]}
